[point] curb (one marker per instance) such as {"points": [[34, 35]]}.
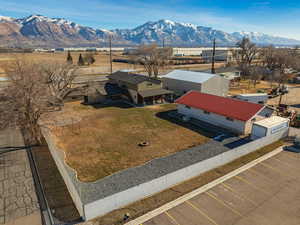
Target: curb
{"points": [[202, 189]]}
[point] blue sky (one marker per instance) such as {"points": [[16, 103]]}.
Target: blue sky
{"points": [[275, 17]]}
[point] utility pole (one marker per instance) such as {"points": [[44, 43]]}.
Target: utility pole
{"points": [[213, 71], [110, 55]]}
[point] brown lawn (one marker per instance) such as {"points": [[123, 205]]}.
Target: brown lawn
{"points": [[106, 140]]}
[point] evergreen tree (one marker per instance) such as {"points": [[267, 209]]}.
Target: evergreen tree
{"points": [[80, 61], [69, 58]]}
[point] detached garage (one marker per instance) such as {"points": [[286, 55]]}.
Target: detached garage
{"points": [[234, 115], [269, 126]]}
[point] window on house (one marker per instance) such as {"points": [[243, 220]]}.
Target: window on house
{"points": [[230, 119], [149, 84], [206, 112], [261, 102]]}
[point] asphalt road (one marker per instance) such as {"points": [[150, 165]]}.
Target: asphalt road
{"points": [[265, 194]]}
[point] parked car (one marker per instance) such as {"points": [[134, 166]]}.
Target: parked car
{"points": [[295, 147]]}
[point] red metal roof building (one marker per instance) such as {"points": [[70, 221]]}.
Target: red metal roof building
{"points": [[235, 109], [230, 113]]}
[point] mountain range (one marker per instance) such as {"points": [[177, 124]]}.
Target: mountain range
{"points": [[42, 31]]}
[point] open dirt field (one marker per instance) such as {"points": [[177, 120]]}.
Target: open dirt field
{"points": [[2, 74], [102, 64], [244, 88], [106, 140], [102, 59]]}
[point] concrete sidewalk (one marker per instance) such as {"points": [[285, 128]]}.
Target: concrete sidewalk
{"points": [[18, 200]]}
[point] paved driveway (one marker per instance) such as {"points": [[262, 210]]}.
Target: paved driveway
{"points": [[266, 194], [18, 201]]}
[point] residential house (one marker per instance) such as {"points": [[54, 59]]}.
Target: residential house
{"points": [[140, 89], [100, 92], [234, 115], [181, 82]]}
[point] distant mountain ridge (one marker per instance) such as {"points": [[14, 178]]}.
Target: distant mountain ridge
{"points": [[42, 31]]}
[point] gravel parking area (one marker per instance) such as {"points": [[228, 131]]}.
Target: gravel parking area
{"points": [[265, 194]]}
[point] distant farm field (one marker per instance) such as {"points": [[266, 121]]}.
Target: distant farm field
{"points": [[102, 61]]}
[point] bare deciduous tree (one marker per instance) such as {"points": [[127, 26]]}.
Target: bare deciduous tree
{"points": [[278, 61], [59, 79], [29, 92], [245, 55], [153, 58]]}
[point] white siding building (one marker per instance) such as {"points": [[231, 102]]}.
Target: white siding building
{"points": [[181, 82], [259, 98], [269, 126], [234, 115]]}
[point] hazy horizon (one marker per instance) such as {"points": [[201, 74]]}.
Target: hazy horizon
{"points": [[272, 17]]}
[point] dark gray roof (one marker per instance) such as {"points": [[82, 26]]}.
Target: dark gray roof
{"points": [[132, 78], [105, 88], [154, 92]]}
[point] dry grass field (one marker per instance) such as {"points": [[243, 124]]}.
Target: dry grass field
{"points": [[106, 140], [102, 61], [2, 74], [244, 88]]}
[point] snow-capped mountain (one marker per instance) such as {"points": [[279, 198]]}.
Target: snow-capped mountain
{"points": [[263, 39], [42, 31], [173, 33]]}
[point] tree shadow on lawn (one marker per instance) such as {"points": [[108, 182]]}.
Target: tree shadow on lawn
{"points": [[117, 104]]}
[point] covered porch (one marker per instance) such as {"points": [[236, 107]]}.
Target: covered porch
{"points": [[155, 96]]}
